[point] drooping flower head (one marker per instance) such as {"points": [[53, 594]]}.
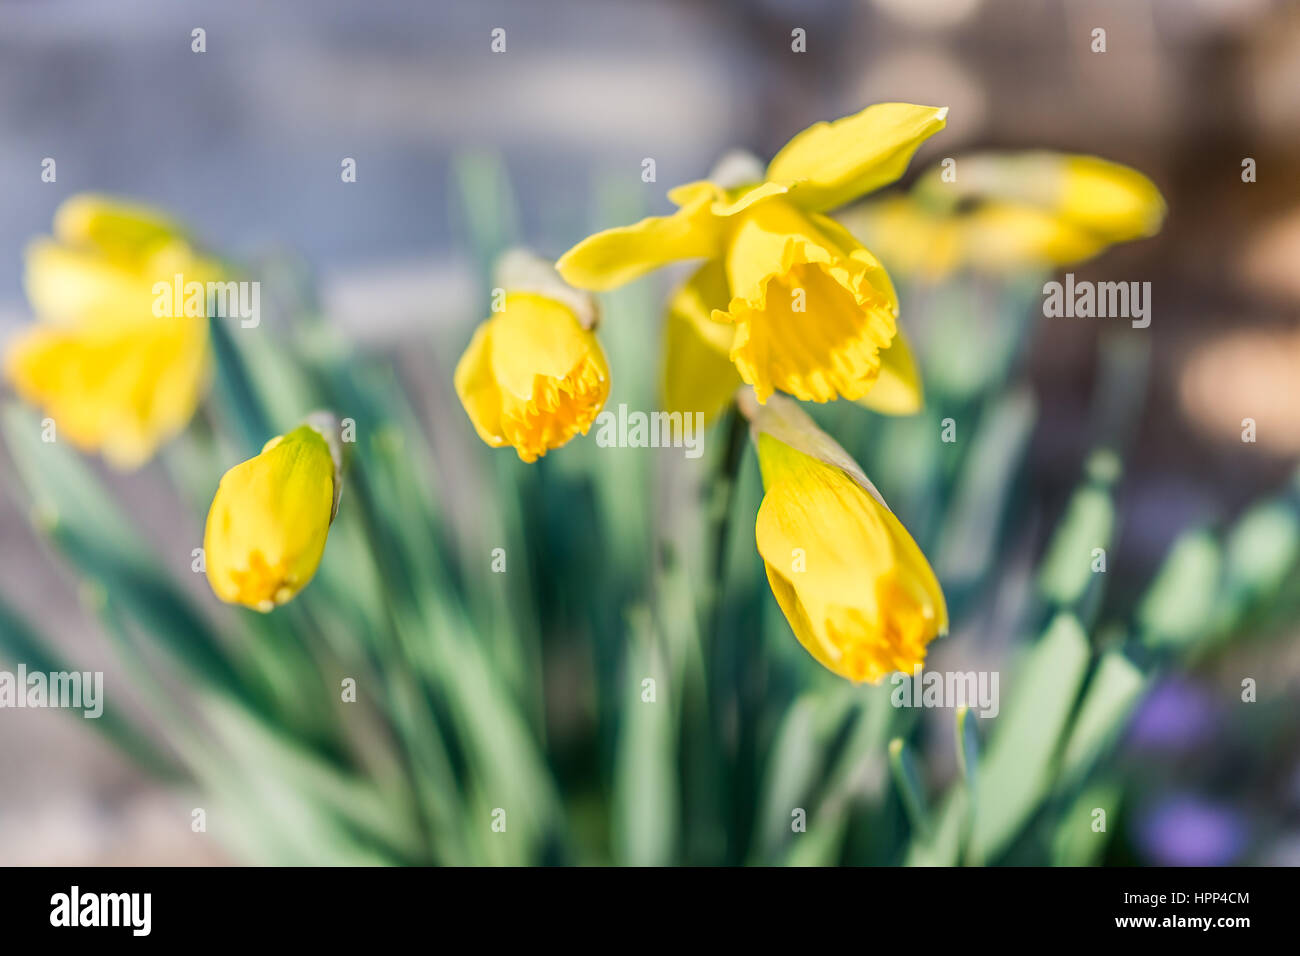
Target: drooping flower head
{"points": [[999, 212], [855, 588], [534, 374], [803, 307], [269, 519], [116, 377]]}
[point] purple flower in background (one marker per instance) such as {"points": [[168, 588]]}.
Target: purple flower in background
{"points": [[1190, 831], [1177, 715]]}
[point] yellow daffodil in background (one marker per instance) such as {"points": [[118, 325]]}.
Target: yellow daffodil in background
{"points": [[270, 517], [116, 377], [790, 296], [857, 591], [534, 374], [999, 213]]}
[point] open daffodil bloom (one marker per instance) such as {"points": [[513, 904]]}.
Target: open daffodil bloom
{"points": [[115, 377], [1003, 212], [269, 519], [799, 305], [856, 589]]}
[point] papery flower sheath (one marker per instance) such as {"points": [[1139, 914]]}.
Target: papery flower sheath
{"points": [[269, 520], [1002, 212], [534, 374], [115, 377], [856, 589], [804, 308]]}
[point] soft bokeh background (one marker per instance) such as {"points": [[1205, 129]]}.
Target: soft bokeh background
{"points": [[245, 141]]}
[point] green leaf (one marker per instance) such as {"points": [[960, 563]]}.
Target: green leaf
{"points": [[1017, 771], [1179, 608], [1089, 523], [1077, 841], [1261, 550], [903, 766], [1018, 768], [970, 531], [22, 644], [645, 766], [86, 526], [1110, 697]]}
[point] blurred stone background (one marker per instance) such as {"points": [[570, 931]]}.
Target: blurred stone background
{"points": [[245, 141]]}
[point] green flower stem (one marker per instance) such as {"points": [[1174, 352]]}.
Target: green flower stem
{"points": [[720, 494]]}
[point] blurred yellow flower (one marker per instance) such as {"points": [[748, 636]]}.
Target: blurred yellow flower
{"points": [[115, 377], [998, 212], [857, 591], [796, 302], [534, 374], [269, 519]]}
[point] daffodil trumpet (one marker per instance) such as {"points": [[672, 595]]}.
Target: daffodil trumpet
{"points": [[786, 296], [269, 520], [854, 586]]}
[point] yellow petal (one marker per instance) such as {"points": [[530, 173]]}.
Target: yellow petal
{"points": [[1004, 237], [532, 377], [834, 163], [615, 256], [121, 391], [811, 313], [1113, 201], [69, 284], [855, 588], [113, 227], [898, 388], [698, 375], [269, 520]]}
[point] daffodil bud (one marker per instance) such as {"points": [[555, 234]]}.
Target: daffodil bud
{"points": [[855, 588], [534, 374], [270, 517]]}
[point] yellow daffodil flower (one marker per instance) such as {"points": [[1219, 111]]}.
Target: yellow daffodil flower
{"points": [[795, 301], [857, 591], [115, 377], [534, 374], [269, 519], [999, 213]]}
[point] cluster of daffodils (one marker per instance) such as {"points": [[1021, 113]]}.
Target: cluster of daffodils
{"points": [[788, 301], [787, 304]]}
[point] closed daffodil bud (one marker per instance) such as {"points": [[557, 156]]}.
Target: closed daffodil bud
{"points": [[116, 376], [269, 519], [534, 374], [855, 588]]}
